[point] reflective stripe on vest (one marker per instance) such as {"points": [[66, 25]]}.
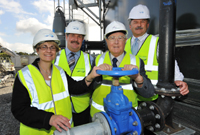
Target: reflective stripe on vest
{"points": [[81, 69], [151, 53], [41, 95], [97, 106]]}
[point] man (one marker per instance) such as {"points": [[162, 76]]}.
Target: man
{"points": [[140, 44], [133, 85], [77, 64]]}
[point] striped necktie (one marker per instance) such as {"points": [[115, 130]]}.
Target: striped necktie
{"points": [[114, 62], [134, 48], [71, 61]]}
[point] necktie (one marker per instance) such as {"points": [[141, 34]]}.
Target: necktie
{"points": [[114, 62], [134, 47], [71, 61]]}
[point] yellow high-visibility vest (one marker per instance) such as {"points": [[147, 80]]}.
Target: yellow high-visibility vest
{"points": [[81, 69], [51, 99], [147, 53]]}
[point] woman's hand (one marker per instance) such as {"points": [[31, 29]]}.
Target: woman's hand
{"points": [[59, 121]]}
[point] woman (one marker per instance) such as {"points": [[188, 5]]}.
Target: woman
{"points": [[40, 99]]}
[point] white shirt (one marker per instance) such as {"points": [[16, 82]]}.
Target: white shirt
{"points": [[177, 74]]}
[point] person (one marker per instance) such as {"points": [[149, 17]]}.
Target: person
{"points": [[133, 85], [77, 64], [144, 46], [41, 92]]}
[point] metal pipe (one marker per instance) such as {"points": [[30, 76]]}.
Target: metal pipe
{"points": [[166, 44], [58, 3], [54, 7], [82, 6], [166, 104], [99, 126], [100, 19], [93, 128], [90, 16], [64, 6]]}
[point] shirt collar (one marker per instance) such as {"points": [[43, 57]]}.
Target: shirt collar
{"points": [[68, 52], [119, 58], [141, 38]]}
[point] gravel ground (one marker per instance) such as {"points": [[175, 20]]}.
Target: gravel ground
{"points": [[8, 124]]}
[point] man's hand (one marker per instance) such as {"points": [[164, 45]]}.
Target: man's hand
{"points": [[59, 121], [105, 67], [137, 77], [93, 74], [183, 87]]}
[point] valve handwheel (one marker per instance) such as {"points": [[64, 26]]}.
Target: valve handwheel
{"points": [[118, 72]]}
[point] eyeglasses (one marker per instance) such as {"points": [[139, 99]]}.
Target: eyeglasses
{"points": [[119, 38], [45, 48]]}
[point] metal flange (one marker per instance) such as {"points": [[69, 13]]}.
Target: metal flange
{"points": [[152, 116], [167, 92]]}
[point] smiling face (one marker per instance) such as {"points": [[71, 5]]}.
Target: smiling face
{"points": [[74, 42], [47, 51], [116, 43], [139, 27]]}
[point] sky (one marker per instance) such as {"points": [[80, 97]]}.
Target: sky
{"points": [[21, 19]]}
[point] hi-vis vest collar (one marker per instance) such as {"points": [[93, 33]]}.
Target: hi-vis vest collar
{"points": [[61, 60]]}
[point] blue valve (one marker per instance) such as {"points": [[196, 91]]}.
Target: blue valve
{"points": [[118, 72], [119, 112]]}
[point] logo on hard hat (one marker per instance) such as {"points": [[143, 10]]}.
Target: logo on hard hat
{"points": [[75, 28], [49, 35], [114, 27], [141, 12]]}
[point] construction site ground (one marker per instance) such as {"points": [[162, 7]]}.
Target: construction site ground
{"points": [[8, 124]]}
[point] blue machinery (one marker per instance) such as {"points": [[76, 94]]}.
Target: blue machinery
{"points": [[120, 117]]}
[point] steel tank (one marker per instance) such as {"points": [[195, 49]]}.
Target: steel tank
{"points": [[187, 13]]}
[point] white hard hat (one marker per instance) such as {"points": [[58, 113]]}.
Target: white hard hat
{"points": [[45, 35], [75, 27], [115, 26], [139, 12]]}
